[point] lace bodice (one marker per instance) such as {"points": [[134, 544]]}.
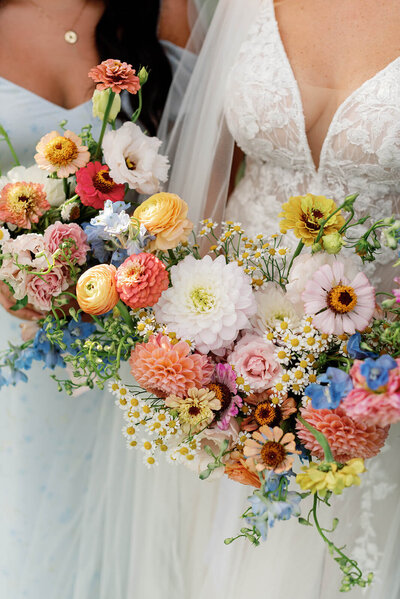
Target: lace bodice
{"points": [[264, 112]]}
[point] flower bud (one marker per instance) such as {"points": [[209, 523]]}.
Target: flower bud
{"points": [[143, 76], [100, 101], [332, 243], [316, 247], [96, 290]]}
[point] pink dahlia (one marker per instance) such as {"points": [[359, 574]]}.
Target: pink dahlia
{"points": [[347, 438], [115, 75], [94, 186], [61, 154], [141, 279], [70, 238], [166, 369], [22, 204], [224, 386], [338, 304], [379, 408]]}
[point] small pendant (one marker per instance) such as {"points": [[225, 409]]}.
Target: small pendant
{"points": [[71, 37]]}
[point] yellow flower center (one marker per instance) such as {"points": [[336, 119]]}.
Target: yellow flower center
{"points": [[202, 300], [103, 182], [131, 164], [23, 197], [342, 299], [61, 151], [266, 413], [273, 454], [131, 274]]}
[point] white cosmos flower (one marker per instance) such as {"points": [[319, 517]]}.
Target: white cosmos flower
{"points": [[273, 307], [209, 301], [33, 174], [133, 158]]}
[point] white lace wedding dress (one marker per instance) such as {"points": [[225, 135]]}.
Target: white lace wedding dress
{"points": [[361, 153]]}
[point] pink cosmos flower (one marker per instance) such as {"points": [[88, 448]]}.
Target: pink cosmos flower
{"points": [[115, 75], [338, 304], [224, 386], [141, 279], [22, 204], [95, 186], [61, 154], [72, 236], [254, 359], [166, 369], [379, 408]]}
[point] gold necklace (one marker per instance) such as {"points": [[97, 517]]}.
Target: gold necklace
{"points": [[70, 36]]}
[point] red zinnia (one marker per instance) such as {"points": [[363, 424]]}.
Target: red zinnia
{"points": [[95, 186], [115, 75]]}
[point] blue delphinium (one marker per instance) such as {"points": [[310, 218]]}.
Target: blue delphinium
{"points": [[77, 330], [113, 220], [355, 350], [101, 253], [336, 384], [376, 372], [46, 352]]}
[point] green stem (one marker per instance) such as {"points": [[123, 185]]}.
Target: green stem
{"points": [[4, 133], [136, 114], [123, 310], [324, 222], [66, 187], [320, 437], [298, 251], [104, 125]]}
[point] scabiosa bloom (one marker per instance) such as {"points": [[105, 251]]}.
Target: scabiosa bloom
{"points": [[209, 301], [196, 410], [70, 236], [165, 369], [115, 75], [61, 154], [272, 449], [224, 386], [94, 185], [141, 279], [338, 304], [347, 438], [22, 204]]}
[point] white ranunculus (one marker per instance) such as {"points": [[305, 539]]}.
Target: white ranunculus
{"points": [[133, 158], [33, 174], [209, 301], [273, 306]]}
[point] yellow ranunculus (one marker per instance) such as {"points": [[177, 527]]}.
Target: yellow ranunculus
{"points": [[164, 215], [322, 477], [96, 290], [304, 214], [100, 100]]}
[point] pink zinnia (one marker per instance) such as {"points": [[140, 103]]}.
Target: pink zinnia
{"points": [[61, 154], [163, 368], [347, 438], [380, 408], [22, 204], [338, 304], [225, 388], [73, 236], [94, 186], [141, 279], [115, 75]]}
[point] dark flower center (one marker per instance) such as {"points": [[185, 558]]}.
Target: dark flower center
{"points": [[267, 413], [273, 454], [223, 394], [103, 182]]}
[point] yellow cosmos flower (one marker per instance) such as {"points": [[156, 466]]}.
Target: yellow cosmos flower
{"points": [[322, 477], [304, 214]]}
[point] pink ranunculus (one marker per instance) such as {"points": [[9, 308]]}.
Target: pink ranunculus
{"points": [[94, 185], [254, 359], [58, 233], [41, 290]]}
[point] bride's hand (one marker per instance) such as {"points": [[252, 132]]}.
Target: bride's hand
{"points": [[7, 301]]}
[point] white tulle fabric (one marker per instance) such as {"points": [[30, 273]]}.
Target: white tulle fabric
{"points": [[243, 89]]}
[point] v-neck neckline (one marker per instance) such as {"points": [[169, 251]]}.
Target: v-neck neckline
{"points": [[296, 89]]}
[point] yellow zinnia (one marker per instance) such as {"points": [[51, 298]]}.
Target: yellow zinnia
{"points": [[324, 476], [305, 214]]}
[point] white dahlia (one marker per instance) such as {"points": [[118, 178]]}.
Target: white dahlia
{"points": [[273, 307], [209, 301], [133, 158], [53, 188]]}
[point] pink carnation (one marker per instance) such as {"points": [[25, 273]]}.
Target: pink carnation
{"points": [[58, 233], [141, 279], [254, 359], [115, 75], [94, 186], [166, 369], [41, 290], [347, 438], [381, 408]]}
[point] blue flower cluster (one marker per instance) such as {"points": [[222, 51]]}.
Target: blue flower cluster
{"points": [[376, 372], [334, 385]]}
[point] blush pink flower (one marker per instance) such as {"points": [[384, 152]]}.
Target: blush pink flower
{"points": [[27, 250], [22, 203], [338, 304], [115, 75], [69, 237], [380, 408], [224, 386], [94, 185], [61, 154], [347, 438], [254, 359], [396, 292], [166, 369], [141, 279], [41, 290]]}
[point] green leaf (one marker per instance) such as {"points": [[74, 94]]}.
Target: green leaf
{"points": [[20, 304], [205, 474]]}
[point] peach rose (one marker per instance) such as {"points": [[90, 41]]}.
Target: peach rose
{"points": [[96, 290], [164, 215], [254, 359]]}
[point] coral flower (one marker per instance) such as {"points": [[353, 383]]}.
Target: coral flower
{"points": [[338, 304], [196, 411], [22, 204], [115, 75], [94, 186], [236, 469], [166, 369], [271, 449], [347, 438], [141, 279], [320, 478], [96, 290], [305, 214], [61, 154]]}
